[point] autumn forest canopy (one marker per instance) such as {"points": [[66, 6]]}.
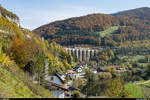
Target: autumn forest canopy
{"points": [[122, 40], [131, 25]]}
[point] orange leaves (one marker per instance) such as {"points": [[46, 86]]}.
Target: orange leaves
{"points": [[110, 69], [22, 51], [17, 41]]}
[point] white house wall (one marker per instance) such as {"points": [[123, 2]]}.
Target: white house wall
{"points": [[55, 80]]}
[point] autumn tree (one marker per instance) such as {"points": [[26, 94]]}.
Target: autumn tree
{"points": [[116, 89], [22, 51]]}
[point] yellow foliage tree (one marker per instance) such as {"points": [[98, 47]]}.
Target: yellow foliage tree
{"points": [[4, 59], [116, 89], [22, 51]]}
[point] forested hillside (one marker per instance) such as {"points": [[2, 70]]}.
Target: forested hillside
{"points": [[89, 30], [19, 47], [139, 13]]}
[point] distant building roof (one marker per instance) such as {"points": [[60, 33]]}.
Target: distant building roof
{"points": [[77, 67], [71, 72]]}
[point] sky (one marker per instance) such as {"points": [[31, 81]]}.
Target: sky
{"points": [[35, 13]]}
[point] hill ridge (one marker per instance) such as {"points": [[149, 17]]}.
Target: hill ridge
{"points": [[81, 30]]}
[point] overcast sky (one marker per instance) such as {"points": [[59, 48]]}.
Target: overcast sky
{"points": [[34, 13]]}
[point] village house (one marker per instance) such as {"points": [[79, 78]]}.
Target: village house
{"points": [[71, 74], [120, 68], [80, 75], [57, 85], [79, 69], [58, 79], [61, 88]]}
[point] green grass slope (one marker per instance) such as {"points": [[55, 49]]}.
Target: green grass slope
{"points": [[14, 83], [11, 86], [135, 90], [108, 31]]}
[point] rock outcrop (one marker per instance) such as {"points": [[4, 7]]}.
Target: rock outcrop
{"points": [[13, 20], [9, 15]]}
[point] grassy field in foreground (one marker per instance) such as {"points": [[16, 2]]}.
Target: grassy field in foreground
{"points": [[15, 84], [11, 86], [135, 90]]}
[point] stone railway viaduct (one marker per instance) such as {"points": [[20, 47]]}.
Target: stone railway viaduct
{"points": [[84, 54]]}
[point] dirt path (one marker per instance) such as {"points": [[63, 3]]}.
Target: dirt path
{"points": [[143, 82]]}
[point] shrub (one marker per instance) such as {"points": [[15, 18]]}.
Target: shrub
{"points": [[116, 89], [76, 94], [105, 75]]}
